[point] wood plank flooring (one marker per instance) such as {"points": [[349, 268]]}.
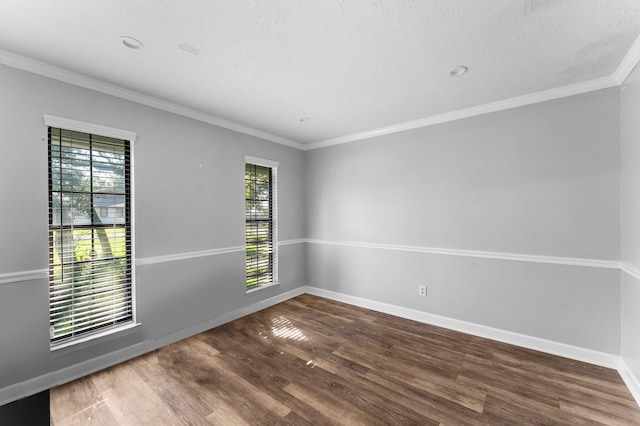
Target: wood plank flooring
{"points": [[313, 361]]}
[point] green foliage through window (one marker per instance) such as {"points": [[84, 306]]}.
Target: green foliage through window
{"points": [[90, 259], [259, 225]]}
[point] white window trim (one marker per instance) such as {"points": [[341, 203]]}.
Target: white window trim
{"points": [[95, 338], [112, 132], [261, 162], [96, 129], [273, 165]]}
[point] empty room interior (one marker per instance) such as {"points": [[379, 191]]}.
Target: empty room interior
{"points": [[336, 212]]}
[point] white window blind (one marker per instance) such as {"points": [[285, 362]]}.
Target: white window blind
{"points": [[260, 223], [90, 252]]}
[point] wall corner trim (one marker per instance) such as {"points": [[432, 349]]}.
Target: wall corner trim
{"points": [[628, 63], [632, 382], [630, 271]]}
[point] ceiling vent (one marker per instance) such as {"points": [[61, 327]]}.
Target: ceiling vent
{"points": [[535, 6]]}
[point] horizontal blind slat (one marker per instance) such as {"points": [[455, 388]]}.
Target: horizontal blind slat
{"points": [[90, 237], [62, 302], [99, 311], [93, 327]]}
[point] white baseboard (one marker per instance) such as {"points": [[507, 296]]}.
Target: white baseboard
{"points": [[55, 378], [632, 382], [561, 349], [59, 377]]}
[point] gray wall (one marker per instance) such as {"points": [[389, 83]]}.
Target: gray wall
{"points": [[180, 208], [540, 180], [537, 180], [630, 137]]}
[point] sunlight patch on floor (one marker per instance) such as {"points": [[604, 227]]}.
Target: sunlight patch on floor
{"points": [[283, 328]]}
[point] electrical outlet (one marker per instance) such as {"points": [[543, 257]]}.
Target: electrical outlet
{"points": [[422, 290]]}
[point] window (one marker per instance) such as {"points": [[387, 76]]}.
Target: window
{"points": [[90, 249], [260, 222]]}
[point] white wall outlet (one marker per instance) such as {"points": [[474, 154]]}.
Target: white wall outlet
{"points": [[422, 290]]}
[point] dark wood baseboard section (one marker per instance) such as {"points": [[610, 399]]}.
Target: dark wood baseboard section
{"points": [[29, 411], [313, 361]]}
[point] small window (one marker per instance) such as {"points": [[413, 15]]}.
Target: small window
{"points": [[90, 251], [260, 223]]}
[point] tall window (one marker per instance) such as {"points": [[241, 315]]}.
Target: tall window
{"points": [[90, 249], [260, 218]]}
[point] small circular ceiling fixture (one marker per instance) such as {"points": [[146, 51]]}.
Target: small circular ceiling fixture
{"points": [[458, 71], [131, 42]]}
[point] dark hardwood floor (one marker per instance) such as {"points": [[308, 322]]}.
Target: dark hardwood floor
{"points": [[313, 361]]}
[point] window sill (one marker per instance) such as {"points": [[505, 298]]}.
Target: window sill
{"points": [[253, 290], [93, 339]]}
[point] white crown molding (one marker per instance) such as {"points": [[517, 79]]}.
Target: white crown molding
{"points": [[533, 98], [41, 68], [556, 348], [16, 277], [629, 62], [555, 260], [96, 129]]}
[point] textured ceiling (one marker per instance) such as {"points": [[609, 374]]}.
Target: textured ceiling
{"points": [[350, 66]]}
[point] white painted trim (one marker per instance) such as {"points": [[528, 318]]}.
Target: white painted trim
{"points": [[292, 242], [15, 277], [628, 63], [261, 162], [632, 382], [41, 68], [96, 129], [93, 339], [561, 349], [630, 271], [55, 378], [262, 287], [188, 255], [56, 73], [555, 260], [532, 98]]}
